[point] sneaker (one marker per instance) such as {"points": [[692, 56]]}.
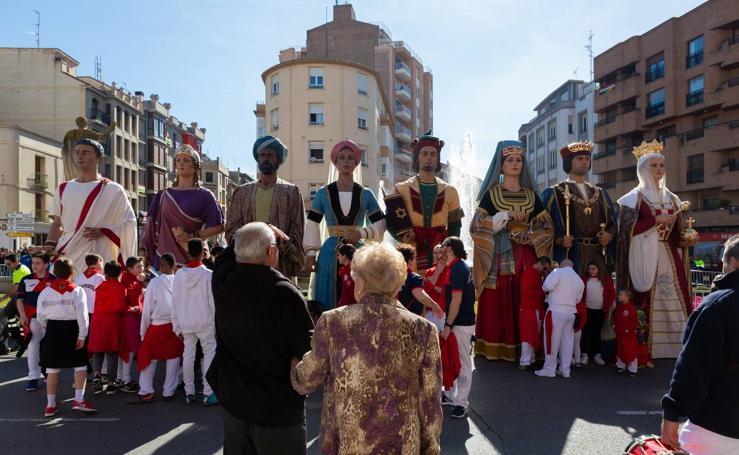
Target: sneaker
{"points": [[130, 388], [632, 374], [620, 371], [459, 412], [528, 367], [598, 360], [544, 374], [562, 375], [112, 387], [32, 385], [168, 398], [142, 399], [51, 411], [210, 400], [84, 406], [584, 359], [190, 399], [445, 400]]}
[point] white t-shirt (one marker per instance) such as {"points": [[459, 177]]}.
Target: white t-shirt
{"points": [[89, 285], [66, 306], [594, 298]]}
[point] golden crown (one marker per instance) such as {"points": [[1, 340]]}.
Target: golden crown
{"points": [[583, 146], [648, 147], [511, 150]]}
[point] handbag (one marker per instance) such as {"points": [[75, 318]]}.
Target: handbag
{"points": [[606, 331]]}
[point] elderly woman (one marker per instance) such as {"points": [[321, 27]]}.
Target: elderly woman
{"points": [[181, 212], [650, 260], [379, 365]]}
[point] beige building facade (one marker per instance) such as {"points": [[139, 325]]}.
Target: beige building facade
{"points": [[312, 104], [31, 169]]}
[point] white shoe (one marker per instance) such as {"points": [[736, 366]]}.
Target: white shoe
{"points": [[584, 359], [543, 374], [560, 374], [598, 360]]}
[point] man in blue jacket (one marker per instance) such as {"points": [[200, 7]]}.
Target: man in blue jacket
{"points": [[705, 383]]}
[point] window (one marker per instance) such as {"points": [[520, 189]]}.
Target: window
{"points": [[315, 77], [315, 152], [313, 188], [159, 128], [315, 114], [362, 84], [540, 137], [540, 165], [118, 147], [695, 91], [362, 118], [133, 152], [582, 121], [530, 144], [656, 103], [655, 67], [107, 171], [695, 52], [695, 168], [275, 84], [363, 159], [274, 115], [662, 134], [553, 159], [126, 150], [126, 174], [552, 130], [208, 177], [710, 122], [628, 174]]}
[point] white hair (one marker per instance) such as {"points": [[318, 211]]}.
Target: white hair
{"points": [[566, 263], [251, 242], [655, 193]]}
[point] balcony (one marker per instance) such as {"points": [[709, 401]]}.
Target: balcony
{"points": [[402, 91], [96, 115], [717, 138], [402, 112], [694, 59], [655, 109], [727, 55], [41, 216], [694, 98], [729, 93], [403, 133], [403, 155], [38, 180], [403, 71], [694, 176], [623, 123], [621, 90]]}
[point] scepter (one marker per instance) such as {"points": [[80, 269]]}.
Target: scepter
{"points": [[567, 196], [603, 247]]}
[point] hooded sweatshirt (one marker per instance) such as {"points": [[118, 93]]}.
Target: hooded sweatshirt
{"points": [[192, 300]]}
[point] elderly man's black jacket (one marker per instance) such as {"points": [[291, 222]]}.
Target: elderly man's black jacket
{"points": [[705, 383], [261, 324]]}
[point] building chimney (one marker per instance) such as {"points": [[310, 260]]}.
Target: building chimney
{"points": [[154, 97], [344, 13]]}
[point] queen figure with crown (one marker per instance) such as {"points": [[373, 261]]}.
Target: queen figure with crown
{"points": [[651, 244]]}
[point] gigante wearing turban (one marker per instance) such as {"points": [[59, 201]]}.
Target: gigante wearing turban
{"points": [[271, 200]]}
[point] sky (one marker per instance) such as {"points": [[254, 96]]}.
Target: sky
{"points": [[493, 61]]}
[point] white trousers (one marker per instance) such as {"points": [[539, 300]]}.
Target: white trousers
{"points": [[33, 353], [528, 352], [146, 378], [124, 368], [207, 340], [699, 441], [576, 352], [460, 393], [633, 366], [558, 341]]}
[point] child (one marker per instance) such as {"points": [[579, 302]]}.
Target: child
{"points": [[62, 311], [625, 322], [107, 340], [160, 341], [132, 279], [91, 278], [531, 311], [345, 255], [193, 319], [412, 294]]}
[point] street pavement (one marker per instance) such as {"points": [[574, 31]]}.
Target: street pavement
{"points": [[512, 412]]}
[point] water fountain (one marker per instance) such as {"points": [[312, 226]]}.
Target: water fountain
{"points": [[462, 177]]}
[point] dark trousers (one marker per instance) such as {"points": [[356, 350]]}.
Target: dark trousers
{"points": [[590, 341], [243, 438]]}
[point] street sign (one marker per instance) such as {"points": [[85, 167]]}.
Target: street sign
{"points": [[20, 224]]}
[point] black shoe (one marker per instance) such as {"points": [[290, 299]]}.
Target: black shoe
{"points": [[632, 374], [142, 399], [97, 386], [168, 398], [529, 367], [130, 388], [460, 412], [620, 371], [445, 400]]}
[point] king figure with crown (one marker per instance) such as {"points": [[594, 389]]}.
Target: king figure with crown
{"points": [[583, 215]]}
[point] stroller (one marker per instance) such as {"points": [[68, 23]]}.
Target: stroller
{"points": [[11, 334]]}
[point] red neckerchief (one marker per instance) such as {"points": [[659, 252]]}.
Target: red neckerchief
{"points": [[90, 272], [193, 264], [42, 282], [447, 271], [62, 285]]}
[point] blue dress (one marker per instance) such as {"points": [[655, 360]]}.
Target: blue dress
{"points": [[364, 211]]}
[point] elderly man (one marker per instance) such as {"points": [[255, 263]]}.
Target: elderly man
{"points": [[705, 383], [261, 324], [271, 200], [565, 288]]}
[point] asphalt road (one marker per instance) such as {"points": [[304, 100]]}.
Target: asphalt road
{"points": [[512, 412]]}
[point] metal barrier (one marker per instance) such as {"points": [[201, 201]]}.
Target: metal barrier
{"points": [[4, 270]]}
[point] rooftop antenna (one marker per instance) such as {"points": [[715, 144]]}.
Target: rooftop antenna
{"points": [[99, 67], [589, 48], [37, 33], [574, 73]]}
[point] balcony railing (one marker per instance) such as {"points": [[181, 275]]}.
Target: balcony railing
{"points": [[100, 116], [653, 75], [693, 98], [695, 176], [604, 153], [693, 134], [696, 58], [655, 109], [605, 121], [39, 180], [733, 164], [400, 129], [730, 41], [402, 108]]}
